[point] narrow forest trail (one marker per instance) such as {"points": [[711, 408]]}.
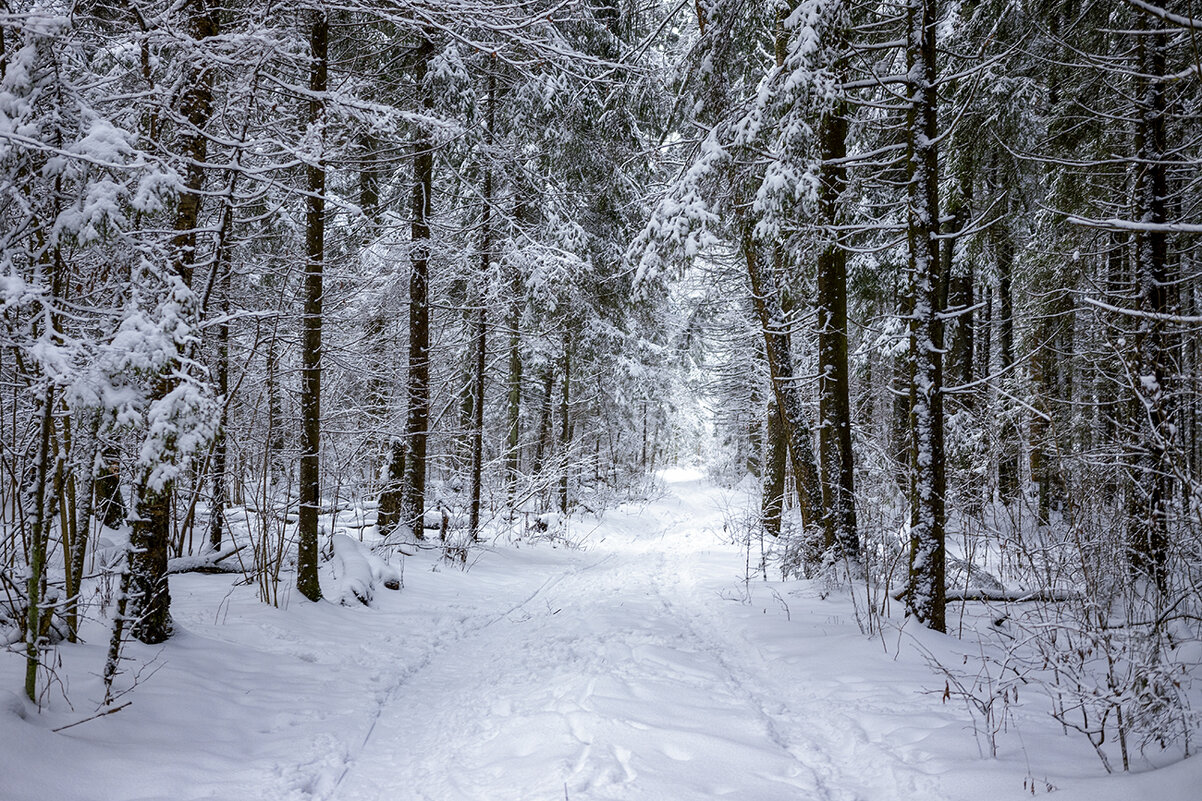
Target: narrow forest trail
{"points": [[621, 677]]}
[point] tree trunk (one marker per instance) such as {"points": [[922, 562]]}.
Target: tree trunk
{"points": [[958, 274], [369, 180], [151, 531], [413, 498], [546, 412], [110, 506], [1039, 458], [513, 414], [388, 515], [85, 473], [1008, 461], [486, 258], [37, 546], [480, 348], [925, 599], [221, 444], [310, 400], [789, 401], [1152, 474], [834, 403], [775, 464], [565, 428]]}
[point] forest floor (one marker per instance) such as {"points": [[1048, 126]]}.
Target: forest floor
{"points": [[639, 665]]}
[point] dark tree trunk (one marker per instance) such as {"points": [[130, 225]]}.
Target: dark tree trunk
{"points": [[37, 546], [85, 478], [388, 515], [1152, 473], [481, 345], [546, 410], [413, 498], [310, 401], [834, 402], [984, 336], [565, 426], [275, 411], [221, 444], [789, 401], [1008, 461], [110, 507], [369, 180], [480, 356], [775, 464], [151, 529], [513, 414], [925, 599], [958, 274], [902, 378], [1039, 459]]}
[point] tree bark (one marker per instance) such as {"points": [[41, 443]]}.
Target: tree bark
{"points": [[789, 401], [85, 473], [775, 464], [834, 403], [37, 546], [926, 596], [1151, 473], [1008, 461], [221, 444], [565, 427], [151, 523], [513, 414], [958, 274], [307, 582], [413, 497], [546, 411], [481, 345]]}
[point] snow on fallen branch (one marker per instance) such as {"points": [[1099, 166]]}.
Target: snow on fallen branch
{"points": [[207, 563], [359, 571], [995, 595], [1147, 315], [1116, 224], [985, 594]]}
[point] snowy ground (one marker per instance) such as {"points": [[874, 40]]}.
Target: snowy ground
{"points": [[638, 667]]}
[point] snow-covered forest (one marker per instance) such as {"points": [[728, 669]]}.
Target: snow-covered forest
{"points": [[600, 399]]}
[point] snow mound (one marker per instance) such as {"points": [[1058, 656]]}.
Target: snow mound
{"points": [[359, 571]]}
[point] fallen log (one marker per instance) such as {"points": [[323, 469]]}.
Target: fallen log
{"points": [[207, 563], [989, 595]]}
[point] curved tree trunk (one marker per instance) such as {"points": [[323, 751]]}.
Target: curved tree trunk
{"points": [[789, 401]]}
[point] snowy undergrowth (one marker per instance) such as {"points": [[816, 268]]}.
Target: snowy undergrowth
{"points": [[640, 665]]}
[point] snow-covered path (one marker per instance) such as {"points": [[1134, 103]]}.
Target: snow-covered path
{"points": [[615, 679], [600, 684], [639, 667]]}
